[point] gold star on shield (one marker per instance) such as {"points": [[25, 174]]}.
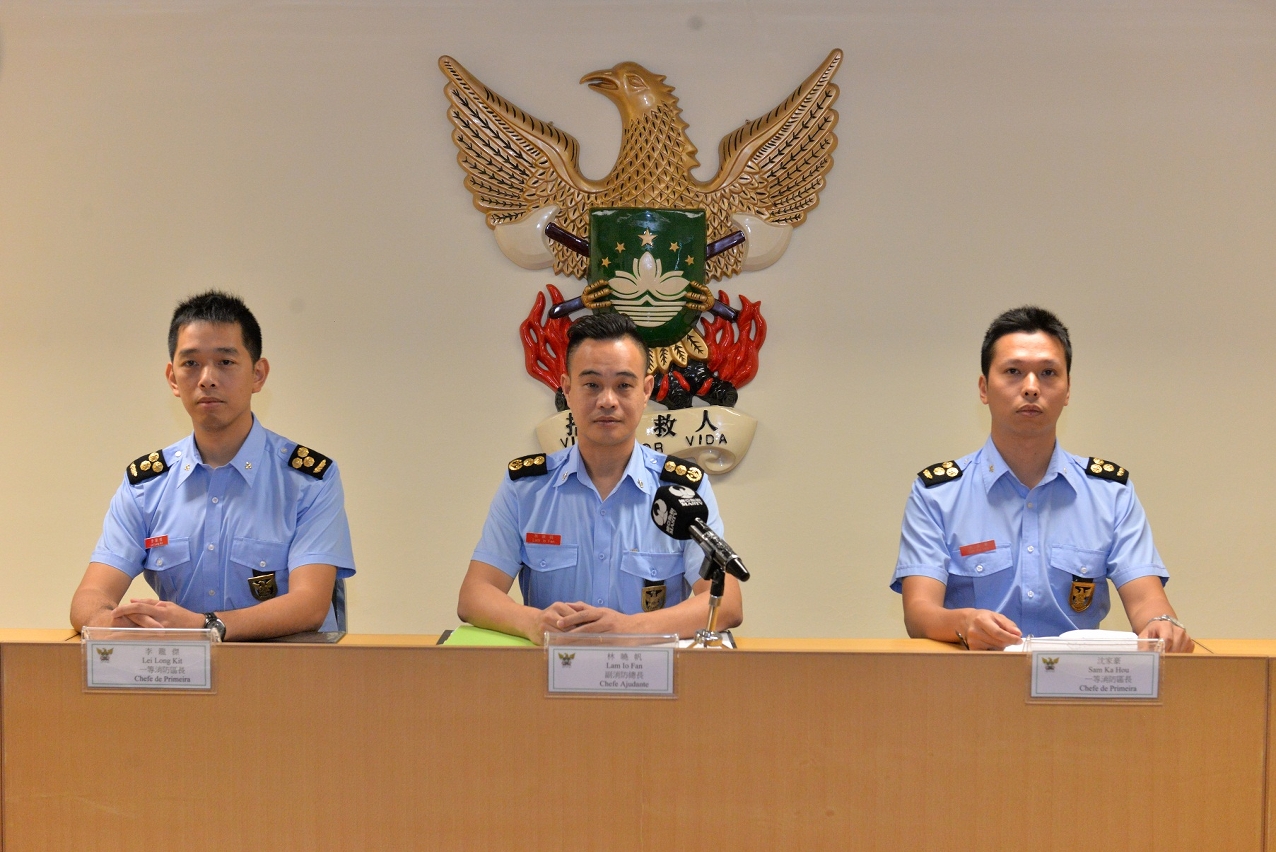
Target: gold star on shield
{"points": [[620, 248], [647, 237], [673, 247], [690, 260], [605, 262]]}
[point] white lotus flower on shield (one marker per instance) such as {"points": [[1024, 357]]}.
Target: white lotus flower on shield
{"points": [[648, 295]]}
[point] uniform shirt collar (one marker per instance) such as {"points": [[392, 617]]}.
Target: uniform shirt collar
{"points": [[993, 467], [635, 470], [247, 461]]}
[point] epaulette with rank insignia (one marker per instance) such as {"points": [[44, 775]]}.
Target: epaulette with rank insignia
{"points": [[683, 472], [533, 465], [307, 461], [1112, 471], [937, 474], [147, 467]]}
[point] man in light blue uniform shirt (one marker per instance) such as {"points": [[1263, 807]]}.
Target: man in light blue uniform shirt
{"points": [[575, 526], [234, 527], [1020, 537]]}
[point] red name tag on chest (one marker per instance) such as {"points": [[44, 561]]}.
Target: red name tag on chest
{"points": [[158, 541], [982, 547], [544, 538]]}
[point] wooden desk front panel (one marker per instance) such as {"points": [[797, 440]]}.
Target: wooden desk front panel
{"points": [[314, 748]]}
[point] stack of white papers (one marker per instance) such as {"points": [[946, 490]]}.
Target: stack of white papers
{"points": [[1116, 640]]}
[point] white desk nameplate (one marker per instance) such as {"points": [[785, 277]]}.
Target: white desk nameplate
{"points": [[1095, 670], [136, 658], [611, 664]]}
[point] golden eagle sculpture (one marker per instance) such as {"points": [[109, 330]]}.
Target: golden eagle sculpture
{"points": [[770, 174], [650, 236]]}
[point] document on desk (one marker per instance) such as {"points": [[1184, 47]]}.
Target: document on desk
{"points": [[469, 636]]}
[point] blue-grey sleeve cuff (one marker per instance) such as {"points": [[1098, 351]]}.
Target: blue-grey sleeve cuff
{"points": [[1120, 578], [902, 571], [343, 563], [499, 562], [124, 564]]}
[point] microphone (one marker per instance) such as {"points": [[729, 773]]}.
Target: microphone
{"points": [[680, 513]]}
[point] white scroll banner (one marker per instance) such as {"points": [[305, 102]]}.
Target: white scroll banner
{"points": [[714, 437]]}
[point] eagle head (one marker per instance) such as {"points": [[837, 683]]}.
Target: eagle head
{"points": [[633, 89]]}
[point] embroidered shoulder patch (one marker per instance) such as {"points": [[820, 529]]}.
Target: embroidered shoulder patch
{"points": [[683, 472], [1101, 469], [939, 473], [307, 461], [533, 465], [147, 467]]}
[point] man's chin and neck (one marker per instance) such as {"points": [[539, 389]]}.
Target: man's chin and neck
{"points": [[1012, 441], [603, 452], [218, 441]]}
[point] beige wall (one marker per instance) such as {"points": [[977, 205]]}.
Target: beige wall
{"points": [[1113, 160]]}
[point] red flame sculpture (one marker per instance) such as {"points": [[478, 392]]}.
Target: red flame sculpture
{"points": [[733, 356], [545, 343]]}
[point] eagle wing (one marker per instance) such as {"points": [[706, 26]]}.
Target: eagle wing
{"points": [[774, 166], [516, 163]]}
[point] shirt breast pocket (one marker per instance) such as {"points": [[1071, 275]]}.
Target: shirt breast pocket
{"points": [[549, 574], [258, 571], [982, 580], [650, 581], [1069, 565], [168, 567]]}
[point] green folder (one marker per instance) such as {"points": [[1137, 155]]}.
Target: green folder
{"points": [[469, 635]]}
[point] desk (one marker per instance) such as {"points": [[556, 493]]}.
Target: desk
{"points": [[394, 743]]}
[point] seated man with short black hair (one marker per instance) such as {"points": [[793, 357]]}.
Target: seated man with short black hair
{"points": [[235, 528], [1021, 538], [575, 526]]}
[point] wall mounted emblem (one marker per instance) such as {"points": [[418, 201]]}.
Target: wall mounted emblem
{"points": [[649, 238]]}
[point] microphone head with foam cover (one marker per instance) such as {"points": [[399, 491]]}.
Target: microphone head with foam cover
{"points": [[675, 508]]}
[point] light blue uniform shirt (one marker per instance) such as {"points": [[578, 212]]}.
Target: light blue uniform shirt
{"points": [[1070, 525], [255, 513], [565, 543]]}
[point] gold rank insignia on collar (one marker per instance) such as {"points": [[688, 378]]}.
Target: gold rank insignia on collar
{"points": [[147, 467], [1109, 470], [939, 473], [307, 461], [683, 472], [533, 465]]}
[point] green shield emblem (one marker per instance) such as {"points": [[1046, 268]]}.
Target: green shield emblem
{"points": [[646, 262]]}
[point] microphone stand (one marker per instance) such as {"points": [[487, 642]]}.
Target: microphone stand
{"points": [[713, 572]]}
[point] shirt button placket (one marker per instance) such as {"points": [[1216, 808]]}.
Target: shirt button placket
{"points": [[604, 535], [1034, 576], [213, 566]]}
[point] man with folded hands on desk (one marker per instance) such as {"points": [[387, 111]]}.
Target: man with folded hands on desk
{"points": [[1020, 538], [236, 528], [575, 526]]}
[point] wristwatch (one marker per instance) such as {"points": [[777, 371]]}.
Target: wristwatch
{"points": [[212, 621]]}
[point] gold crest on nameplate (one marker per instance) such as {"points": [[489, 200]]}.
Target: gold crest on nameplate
{"points": [[1050, 663], [1082, 594], [104, 654], [565, 659]]}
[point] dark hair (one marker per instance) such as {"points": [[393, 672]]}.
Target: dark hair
{"points": [[1027, 320], [216, 307], [608, 326]]}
